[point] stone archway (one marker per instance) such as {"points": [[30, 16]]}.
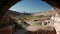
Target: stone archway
{"points": [[4, 6]]}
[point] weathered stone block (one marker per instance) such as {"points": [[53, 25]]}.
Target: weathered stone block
{"points": [[7, 30]]}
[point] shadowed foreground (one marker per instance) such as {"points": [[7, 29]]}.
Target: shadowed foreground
{"points": [[47, 30]]}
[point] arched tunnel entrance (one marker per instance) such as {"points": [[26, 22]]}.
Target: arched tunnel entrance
{"points": [[6, 4]]}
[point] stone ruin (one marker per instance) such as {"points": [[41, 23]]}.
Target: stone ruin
{"points": [[6, 27], [56, 5]]}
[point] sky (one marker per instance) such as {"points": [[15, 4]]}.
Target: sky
{"points": [[30, 6]]}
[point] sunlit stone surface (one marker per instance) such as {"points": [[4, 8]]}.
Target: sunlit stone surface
{"points": [[56, 21]]}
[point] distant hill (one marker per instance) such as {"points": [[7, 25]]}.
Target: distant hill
{"points": [[49, 12], [15, 13]]}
